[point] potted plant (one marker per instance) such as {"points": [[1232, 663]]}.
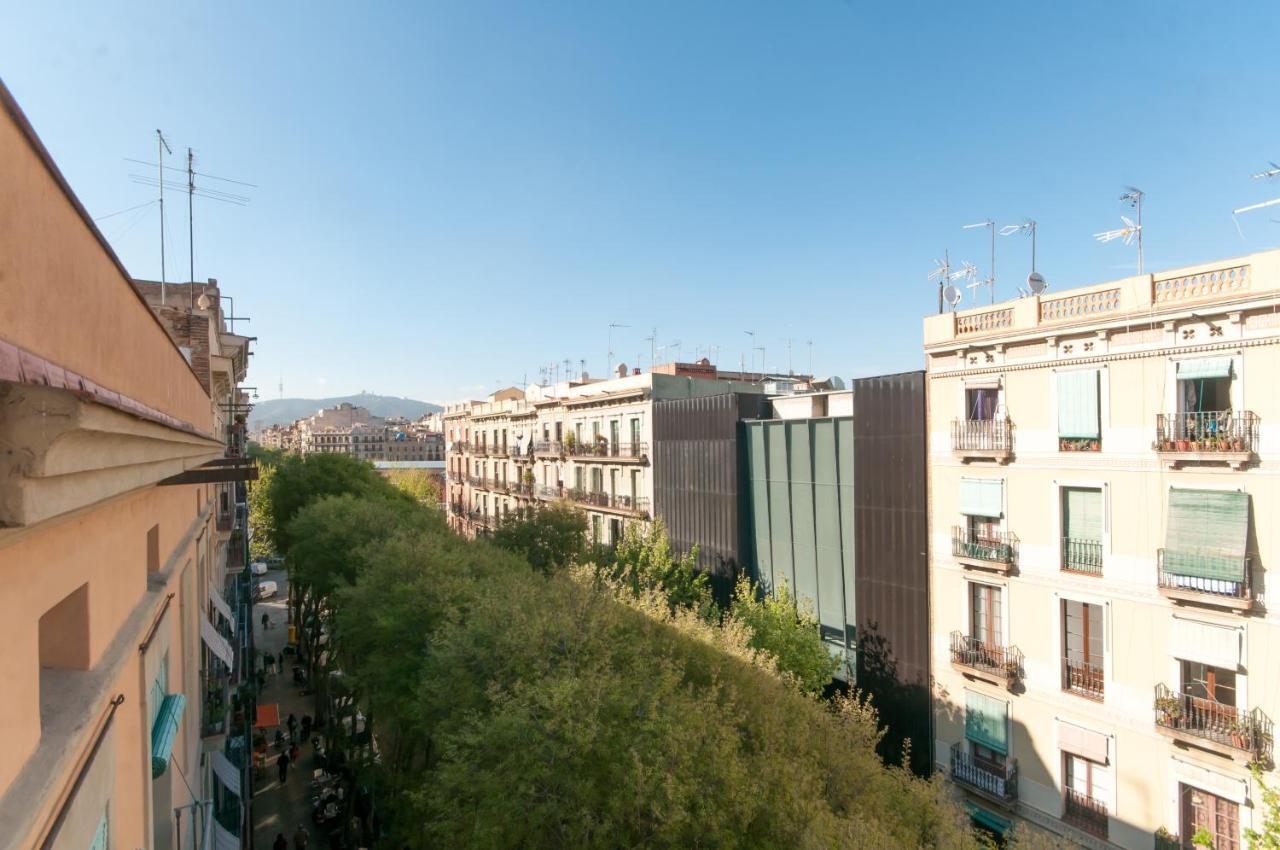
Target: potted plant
{"points": [[1237, 444], [570, 442], [1170, 709], [1183, 445], [1240, 733], [527, 478]]}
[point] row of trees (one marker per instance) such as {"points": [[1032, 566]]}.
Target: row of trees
{"points": [[530, 692]]}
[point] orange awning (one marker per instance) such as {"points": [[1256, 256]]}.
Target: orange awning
{"points": [[268, 715]]}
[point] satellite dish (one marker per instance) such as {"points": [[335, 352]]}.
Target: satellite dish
{"points": [[1036, 283], [952, 294]]}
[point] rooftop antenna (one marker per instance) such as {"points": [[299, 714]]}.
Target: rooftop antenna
{"points": [[967, 271], [653, 348], [1036, 283], [790, 371], [991, 279], [608, 363], [941, 273], [191, 229], [582, 367], [763, 361], [1273, 171], [752, 335], [809, 343], [1131, 230], [161, 147]]}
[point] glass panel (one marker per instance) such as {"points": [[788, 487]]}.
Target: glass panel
{"points": [[980, 404]]}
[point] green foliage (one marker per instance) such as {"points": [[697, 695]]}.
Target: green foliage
{"points": [[1202, 838], [643, 561], [787, 630], [261, 515], [418, 484], [549, 537], [265, 456], [1268, 837], [301, 479]]}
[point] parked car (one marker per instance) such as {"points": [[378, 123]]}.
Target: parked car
{"points": [[267, 589], [258, 568]]}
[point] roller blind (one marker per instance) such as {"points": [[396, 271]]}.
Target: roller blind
{"points": [[1209, 367], [986, 721], [1207, 533], [1078, 404], [982, 497], [1082, 513], [1082, 742]]}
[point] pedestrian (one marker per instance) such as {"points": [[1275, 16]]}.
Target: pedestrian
{"points": [[293, 752], [269, 662], [300, 838], [266, 621], [281, 843], [279, 739], [262, 680], [292, 723], [282, 764]]}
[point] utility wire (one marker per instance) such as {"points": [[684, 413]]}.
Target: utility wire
{"points": [[121, 212], [198, 173]]}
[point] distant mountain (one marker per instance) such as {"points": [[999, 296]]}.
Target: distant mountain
{"points": [[282, 411]]}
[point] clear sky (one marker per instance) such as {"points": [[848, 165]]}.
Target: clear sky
{"points": [[451, 195]]}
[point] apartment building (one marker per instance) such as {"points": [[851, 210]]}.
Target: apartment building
{"points": [[1104, 465], [590, 443], [123, 626]]}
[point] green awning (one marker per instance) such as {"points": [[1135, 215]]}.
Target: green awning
{"points": [[1082, 514], [1209, 367], [165, 731], [982, 497], [989, 820], [1207, 534], [986, 721], [1078, 404]]}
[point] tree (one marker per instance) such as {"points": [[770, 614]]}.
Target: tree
{"points": [[265, 456], [261, 517], [643, 560], [301, 479], [1268, 837], [787, 630], [419, 484], [549, 537]]}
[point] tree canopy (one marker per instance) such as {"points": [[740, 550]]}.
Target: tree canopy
{"points": [[550, 537]]}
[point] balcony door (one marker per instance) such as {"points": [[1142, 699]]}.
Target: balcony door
{"points": [[1083, 645], [980, 403], [986, 614], [1217, 816], [614, 428], [1210, 697]]}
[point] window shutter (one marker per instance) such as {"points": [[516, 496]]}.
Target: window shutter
{"points": [[982, 497], [1078, 404], [1209, 367], [1082, 514], [986, 721], [1207, 534]]}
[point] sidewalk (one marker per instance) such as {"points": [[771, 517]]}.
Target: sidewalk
{"points": [[282, 808]]}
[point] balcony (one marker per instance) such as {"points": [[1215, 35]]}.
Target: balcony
{"points": [[1082, 556], [516, 453], [998, 783], [481, 520], [548, 448], [616, 504], [499, 486], [996, 551], [480, 449], [522, 489], [1220, 593], [604, 450], [224, 522], [549, 491], [971, 656], [1086, 813], [982, 439], [1083, 679], [1215, 726], [1221, 436], [478, 481]]}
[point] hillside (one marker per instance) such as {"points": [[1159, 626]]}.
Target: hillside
{"points": [[281, 411]]}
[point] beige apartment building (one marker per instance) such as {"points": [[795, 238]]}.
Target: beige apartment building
{"points": [[118, 522], [1105, 480]]}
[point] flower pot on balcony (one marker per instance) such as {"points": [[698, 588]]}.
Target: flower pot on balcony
{"points": [[1237, 444], [1166, 445], [1183, 445]]}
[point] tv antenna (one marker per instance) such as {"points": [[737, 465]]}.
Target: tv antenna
{"points": [[1035, 281], [161, 147], [941, 273], [763, 367], [608, 361], [1273, 171], [652, 338], [968, 271], [790, 371], [1132, 230], [991, 279], [752, 335]]}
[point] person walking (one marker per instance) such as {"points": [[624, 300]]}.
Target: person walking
{"points": [[300, 838], [266, 621], [268, 662], [292, 723], [282, 764], [281, 843]]}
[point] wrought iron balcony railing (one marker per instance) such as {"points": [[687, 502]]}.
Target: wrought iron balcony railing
{"points": [[606, 450], [1001, 662], [629, 504], [1207, 432], [1083, 678], [985, 437], [1082, 556], [549, 491], [548, 447], [1213, 591], [993, 780], [1246, 731], [1084, 812], [998, 548]]}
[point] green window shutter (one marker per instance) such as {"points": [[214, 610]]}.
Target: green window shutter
{"points": [[1082, 514], [990, 820], [1207, 534], [982, 497], [986, 721], [1078, 404], [1209, 367], [164, 732], [101, 835]]}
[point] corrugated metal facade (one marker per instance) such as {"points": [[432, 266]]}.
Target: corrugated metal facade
{"points": [[696, 474]]}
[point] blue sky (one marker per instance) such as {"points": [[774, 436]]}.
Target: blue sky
{"points": [[451, 195]]}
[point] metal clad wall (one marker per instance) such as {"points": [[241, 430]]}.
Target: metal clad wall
{"points": [[826, 520], [696, 474]]}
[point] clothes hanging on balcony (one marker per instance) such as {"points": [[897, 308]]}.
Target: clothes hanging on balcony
{"points": [[1078, 405], [986, 721], [982, 497], [1207, 534]]}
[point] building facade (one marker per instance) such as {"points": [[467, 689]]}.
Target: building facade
{"points": [[1103, 463], [118, 517]]}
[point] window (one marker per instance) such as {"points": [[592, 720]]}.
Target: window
{"points": [[595, 529], [578, 477], [635, 484], [1079, 425], [635, 433], [597, 481], [986, 617], [1082, 640], [613, 482], [980, 403], [1082, 530], [614, 429], [1218, 816], [1204, 681], [1088, 787]]}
